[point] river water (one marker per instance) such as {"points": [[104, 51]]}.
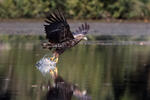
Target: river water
{"points": [[105, 72]]}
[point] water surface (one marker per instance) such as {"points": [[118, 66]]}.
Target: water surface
{"points": [[107, 72]]}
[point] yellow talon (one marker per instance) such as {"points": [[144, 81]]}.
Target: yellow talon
{"points": [[52, 58], [56, 70], [56, 60]]}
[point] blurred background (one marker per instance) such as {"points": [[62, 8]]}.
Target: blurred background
{"points": [[114, 64], [77, 9]]}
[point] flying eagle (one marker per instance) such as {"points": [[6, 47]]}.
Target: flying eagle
{"points": [[59, 34]]}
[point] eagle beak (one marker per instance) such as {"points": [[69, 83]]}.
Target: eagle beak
{"points": [[85, 38]]}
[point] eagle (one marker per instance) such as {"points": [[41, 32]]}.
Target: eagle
{"points": [[59, 35]]}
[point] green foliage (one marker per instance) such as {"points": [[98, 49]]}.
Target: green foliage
{"points": [[55, 4], [78, 9], [23, 8], [85, 8]]}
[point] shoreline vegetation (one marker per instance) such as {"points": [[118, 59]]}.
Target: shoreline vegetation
{"points": [[77, 9], [77, 20]]}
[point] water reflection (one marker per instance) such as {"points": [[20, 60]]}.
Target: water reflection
{"points": [[107, 72], [139, 83], [62, 90], [5, 93]]}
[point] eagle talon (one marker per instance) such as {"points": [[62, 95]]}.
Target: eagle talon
{"points": [[52, 58], [54, 72], [56, 59]]}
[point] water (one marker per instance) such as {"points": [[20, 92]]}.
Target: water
{"points": [[106, 72]]}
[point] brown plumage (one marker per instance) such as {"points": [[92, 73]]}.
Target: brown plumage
{"points": [[59, 35]]}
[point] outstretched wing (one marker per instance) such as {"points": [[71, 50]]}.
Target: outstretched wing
{"points": [[83, 29], [57, 29]]}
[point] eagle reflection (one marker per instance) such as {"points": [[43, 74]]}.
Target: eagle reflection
{"points": [[62, 90]]}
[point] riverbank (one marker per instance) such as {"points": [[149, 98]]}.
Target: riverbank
{"points": [[35, 27]]}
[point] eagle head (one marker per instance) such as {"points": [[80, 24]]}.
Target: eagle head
{"points": [[80, 37]]}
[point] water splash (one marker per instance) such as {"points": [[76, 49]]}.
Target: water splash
{"points": [[45, 64]]}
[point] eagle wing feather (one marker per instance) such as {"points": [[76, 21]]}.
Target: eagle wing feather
{"points": [[83, 29], [57, 29]]}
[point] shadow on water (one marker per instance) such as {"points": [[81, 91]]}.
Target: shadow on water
{"points": [[134, 84], [5, 93], [107, 72], [139, 83]]}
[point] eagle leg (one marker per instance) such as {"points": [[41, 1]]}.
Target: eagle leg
{"points": [[52, 58], [56, 59], [51, 72], [54, 72]]}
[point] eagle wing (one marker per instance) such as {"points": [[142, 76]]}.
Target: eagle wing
{"points": [[57, 29], [83, 29]]}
